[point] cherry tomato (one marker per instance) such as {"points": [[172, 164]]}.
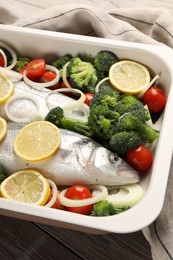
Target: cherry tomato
{"points": [[89, 96], [140, 158], [21, 71], [57, 204], [155, 99], [47, 77], [35, 68], [79, 192], [1, 61]]}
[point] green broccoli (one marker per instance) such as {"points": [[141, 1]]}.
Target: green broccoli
{"points": [[122, 142], [100, 98], [104, 60], [107, 88], [102, 121], [136, 120], [61, 61], [56, 116], [21, 63], [82, 75], [105, 208], [2, 173], [128, 103], [101, 75]]}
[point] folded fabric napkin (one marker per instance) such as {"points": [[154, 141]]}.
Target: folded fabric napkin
{"points": [[119, 19]]}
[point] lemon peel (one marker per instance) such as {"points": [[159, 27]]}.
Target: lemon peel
{"points": [[27, 186], [3, 128], [6, 88], [37, 141], [129, 76]]}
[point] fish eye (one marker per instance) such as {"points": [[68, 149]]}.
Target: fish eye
{"points": [[114, 158]]}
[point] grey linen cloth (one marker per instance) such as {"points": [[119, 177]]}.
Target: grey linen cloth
{"points": [[146, 21]]}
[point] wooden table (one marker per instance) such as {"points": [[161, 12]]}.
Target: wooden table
{"points": [[23, 240]]}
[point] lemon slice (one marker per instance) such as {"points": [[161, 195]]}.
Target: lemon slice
{"points": [[129, 76], [6, 88], [27, 186], [37, 141], [3, 128]]}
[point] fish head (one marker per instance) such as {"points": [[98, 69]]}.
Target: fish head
{"points": [[102, 164]]}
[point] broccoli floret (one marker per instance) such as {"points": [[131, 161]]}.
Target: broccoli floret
{"points": [[136, 120], [102, 122], [100, 98], [2, 173], [82, 75], [101, 75], [104, 59], [122, 142], [129, 103], [107, 88], [61, 61], [56, 116], [21, 63], [106, 95], [105, 208]]}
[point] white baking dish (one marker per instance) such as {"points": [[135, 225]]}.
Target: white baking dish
{"points": [[38, 43]]}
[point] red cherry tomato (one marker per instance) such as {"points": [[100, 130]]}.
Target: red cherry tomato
{"points": [[89, 96], [21, 71], [155, 99], [79, 192], [35, 68], [47, 77], [1, 61], [140, 158], [57, 204]]}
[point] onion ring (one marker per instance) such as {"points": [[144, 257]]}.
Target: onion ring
{"points": [[73, 104], [84, 202], [68, 108], [12, 52], [38, 85], [142, 92], [14, 98], [4, 57], [99, 84], [64, 75], [13, 75], [54, 194]]}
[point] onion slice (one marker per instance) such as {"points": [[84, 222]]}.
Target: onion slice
{"points": [[38, 85], [71, 105], [13, 54], [125, 195], [84, 108], [13, 75], [64, 75], [142, 92], [54, 194], [101, 195], [99, 84], [4, 57], [14, 98]]}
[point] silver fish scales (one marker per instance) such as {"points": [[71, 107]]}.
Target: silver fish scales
{"points": [[79, 160]]}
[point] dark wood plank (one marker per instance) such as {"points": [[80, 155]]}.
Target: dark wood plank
{"points": [[24, 240], [108, 246]]}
